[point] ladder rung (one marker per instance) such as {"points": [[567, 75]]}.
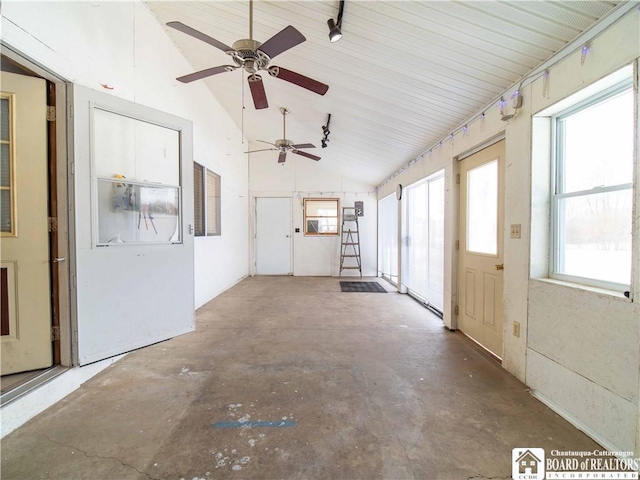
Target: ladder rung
{"points": [[350, 255], [349, 243], [350, 268]]}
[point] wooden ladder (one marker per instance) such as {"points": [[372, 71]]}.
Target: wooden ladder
{"points": [[350, 239]]}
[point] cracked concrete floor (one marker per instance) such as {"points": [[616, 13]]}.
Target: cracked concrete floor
{"points": [[288, 378]]}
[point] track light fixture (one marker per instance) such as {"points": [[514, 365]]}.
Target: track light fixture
{"points": [[335, 32], [326, 132]]}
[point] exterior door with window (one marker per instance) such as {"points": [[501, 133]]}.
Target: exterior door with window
{"points": [[480, 276], [26, 294], [273, 236]]}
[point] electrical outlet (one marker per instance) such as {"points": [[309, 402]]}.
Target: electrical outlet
{"points": [[515, 230], [516, 329]]}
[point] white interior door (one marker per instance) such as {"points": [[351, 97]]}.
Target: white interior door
{"points": [[133, 262], [26, 294], [273, 236], [481, 225]]}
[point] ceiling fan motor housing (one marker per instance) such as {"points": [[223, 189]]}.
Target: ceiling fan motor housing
{"points": [[284, 143], [246, 55]]}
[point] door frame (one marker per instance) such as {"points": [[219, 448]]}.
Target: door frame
{"points": [[60, 202], [456, 227]]}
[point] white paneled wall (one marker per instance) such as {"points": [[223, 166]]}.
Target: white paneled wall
{"points": [[119, 48]]}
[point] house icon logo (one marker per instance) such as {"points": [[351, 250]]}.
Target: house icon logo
{"points": [[527, 463]]}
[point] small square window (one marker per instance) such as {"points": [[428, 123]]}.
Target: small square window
{"points": [[321, 216]]}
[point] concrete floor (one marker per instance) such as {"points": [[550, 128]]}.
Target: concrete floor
{"points": [[322, 384]]}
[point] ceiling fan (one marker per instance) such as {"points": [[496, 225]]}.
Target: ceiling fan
{"points": [[253, 56], [285, 145]]}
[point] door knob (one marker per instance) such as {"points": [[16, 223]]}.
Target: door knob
{"points": [[500, 266], [59, 259]]}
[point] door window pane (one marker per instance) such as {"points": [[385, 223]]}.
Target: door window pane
{"points": [[5, 209], [7, 164], [482, 209], [5, 120]]}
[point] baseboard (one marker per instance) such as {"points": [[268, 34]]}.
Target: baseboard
{"points": [[36, 401], [607, 445]]}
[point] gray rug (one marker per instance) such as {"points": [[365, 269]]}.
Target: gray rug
{"points": [[369, 287]]}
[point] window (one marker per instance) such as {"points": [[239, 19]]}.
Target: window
{"points": [[7, 186], [206, 201], [592, 194], [321, 216]]}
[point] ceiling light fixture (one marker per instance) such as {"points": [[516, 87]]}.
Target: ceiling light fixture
{"points": [[335, 26]]}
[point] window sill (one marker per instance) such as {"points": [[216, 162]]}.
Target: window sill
{"points": [[586, 288]]}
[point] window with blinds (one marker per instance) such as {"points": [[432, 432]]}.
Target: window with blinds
{"points": [[206, 202], [213, 203], [198, 199]]}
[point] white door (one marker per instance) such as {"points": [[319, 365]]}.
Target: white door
{"points": [[26, 294], [133, 208], [273, 236], [481, 225]]}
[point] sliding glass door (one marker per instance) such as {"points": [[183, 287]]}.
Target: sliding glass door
{"points": [[424, 240], [388, 238]]}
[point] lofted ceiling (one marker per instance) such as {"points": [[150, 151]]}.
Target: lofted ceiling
{"points": [[404, 75]]}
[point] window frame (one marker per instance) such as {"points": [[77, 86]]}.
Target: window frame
{"points": [[557, 185], [13, 210], [306, 217], [204, 207]]}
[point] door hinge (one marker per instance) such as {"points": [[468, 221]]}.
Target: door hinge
{"points": [[55, 333], [458, 178], [455, 309], [52, 224], [51, 113], [457, 244]]}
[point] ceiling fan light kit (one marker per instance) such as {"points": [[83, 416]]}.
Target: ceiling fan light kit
{"points": [[253, 56]]}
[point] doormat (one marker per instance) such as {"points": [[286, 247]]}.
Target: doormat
{"points": [[369, 287]]}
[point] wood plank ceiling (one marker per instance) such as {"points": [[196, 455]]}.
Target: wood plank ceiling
{"points": [[403, 76]]}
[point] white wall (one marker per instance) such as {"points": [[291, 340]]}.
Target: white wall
{"points": [[300, 178], [120, 48], [578, 348]]}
